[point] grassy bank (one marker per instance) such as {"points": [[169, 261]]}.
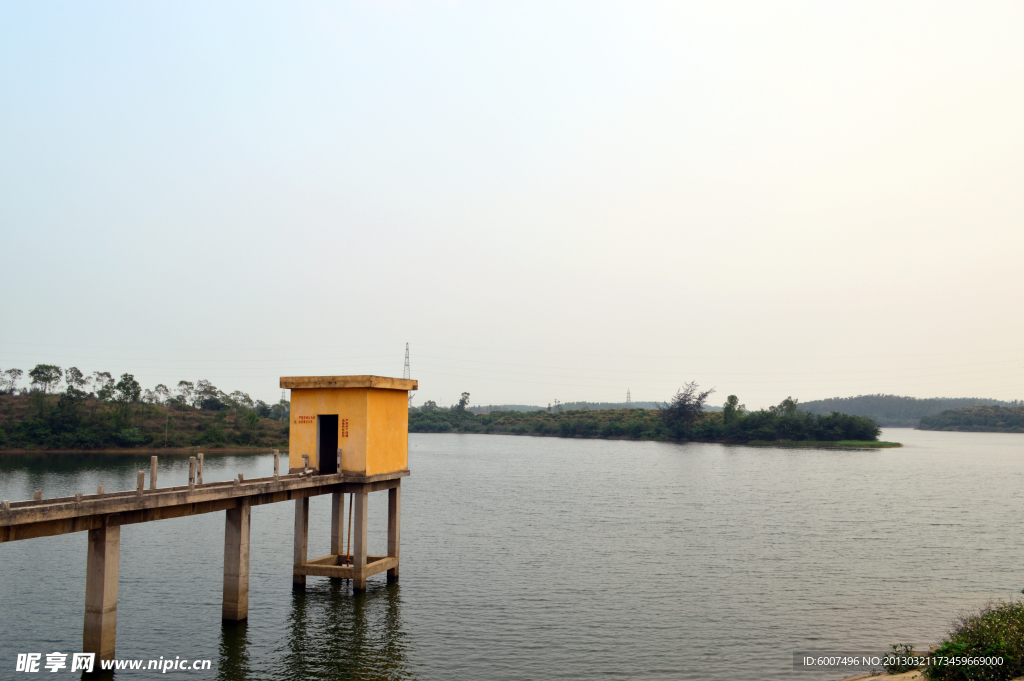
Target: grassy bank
{"points": [[987, 645], [997, 630]]}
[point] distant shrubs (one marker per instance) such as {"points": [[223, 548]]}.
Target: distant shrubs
{"points": [[613, 429], [431, 422], [635, 428], [131, 437], [996, 631]]}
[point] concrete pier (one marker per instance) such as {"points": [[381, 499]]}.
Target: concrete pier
{"points": [[235, 606], [301, 542], [100, 629], [103, 514], [357, 428], [360, 564], [359, 516], [394, 527], [337, 523]]}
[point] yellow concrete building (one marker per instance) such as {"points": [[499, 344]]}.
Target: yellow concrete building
{"points": [[366, 417]]}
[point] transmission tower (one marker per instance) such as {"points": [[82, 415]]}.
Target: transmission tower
{"points": [[406, 373], [629, 400]]}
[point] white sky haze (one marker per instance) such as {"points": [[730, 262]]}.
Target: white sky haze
{"points": [[546, 200]]}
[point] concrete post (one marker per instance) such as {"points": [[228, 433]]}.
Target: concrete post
{"points": [[140, 483], [359, 542], [100, 630], [337, 522], [235, 606], [199, 470], [152, 472], [301, 540], [394, 525], [277, 464], [191, 473]]}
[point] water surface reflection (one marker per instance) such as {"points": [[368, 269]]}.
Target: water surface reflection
{"points": [[332, 633]]}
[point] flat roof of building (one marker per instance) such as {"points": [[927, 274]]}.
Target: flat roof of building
{"points": [[379, 382]]}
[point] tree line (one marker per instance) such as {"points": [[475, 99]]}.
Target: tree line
{"points": [[684, 417], [201, 394], [67, 409]]}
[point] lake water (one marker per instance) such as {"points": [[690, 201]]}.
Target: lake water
{"points": [[544, 558]]}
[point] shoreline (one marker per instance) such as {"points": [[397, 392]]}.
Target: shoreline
{"points": [[162, 450], [902, 676], [813, 444], [840, 444]]}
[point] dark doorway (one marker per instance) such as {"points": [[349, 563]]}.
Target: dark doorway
{"points": [[327, 443]]}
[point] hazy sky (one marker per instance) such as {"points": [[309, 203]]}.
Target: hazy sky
{"points": [[546, 200]]}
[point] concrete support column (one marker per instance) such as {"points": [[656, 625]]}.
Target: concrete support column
{"points": [[235, 606], [359, 515], [337, 522], [301, 540], [394, 525], [100, 631]]}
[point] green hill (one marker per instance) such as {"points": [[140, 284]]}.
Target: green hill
{"points": [[895, 410]]}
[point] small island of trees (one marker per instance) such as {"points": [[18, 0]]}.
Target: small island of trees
{"points": [[684, 418]]}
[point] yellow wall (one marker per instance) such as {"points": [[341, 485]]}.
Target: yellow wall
{"points": [[378, 428], [388, 442]]}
